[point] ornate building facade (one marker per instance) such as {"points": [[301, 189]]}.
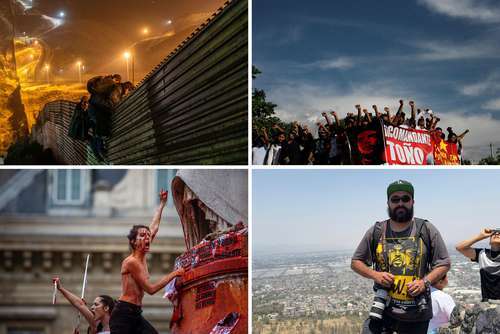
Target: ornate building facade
{"points": [[51, 219]]}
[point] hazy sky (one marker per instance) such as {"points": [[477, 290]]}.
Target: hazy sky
{"points": [[308, 210], [97, 32], [326, 55]]}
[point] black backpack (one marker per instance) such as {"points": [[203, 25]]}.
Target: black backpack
{"points": [[422, 232]]}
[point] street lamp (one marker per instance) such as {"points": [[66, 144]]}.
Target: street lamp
{"points": [[145, 31], [47, 67], [62, 14], [79, 65], [126, 55]]}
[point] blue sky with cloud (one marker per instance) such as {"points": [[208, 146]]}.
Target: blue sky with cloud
{"points": [[327, 55]]}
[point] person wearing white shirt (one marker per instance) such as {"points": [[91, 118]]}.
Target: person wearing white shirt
{"points": [[442, 306]]}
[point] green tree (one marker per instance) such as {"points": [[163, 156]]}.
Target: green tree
{"points": [[263, 114]]}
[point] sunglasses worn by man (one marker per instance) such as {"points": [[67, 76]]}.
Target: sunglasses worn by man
{"points": [[397, 199]]}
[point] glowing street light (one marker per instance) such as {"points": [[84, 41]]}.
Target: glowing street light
{"points": [[127, 55], [47, 67], [79, 65], [168, 22], [61, 14], [145, 31]]}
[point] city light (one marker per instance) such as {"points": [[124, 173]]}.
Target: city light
{"points": [[126, 55], [62, 14], [145, 31], [79, 65], [168, 22], [47, 67]]}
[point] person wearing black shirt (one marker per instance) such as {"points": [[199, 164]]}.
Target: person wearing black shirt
{"points": [[408, 255], [488, 259]]}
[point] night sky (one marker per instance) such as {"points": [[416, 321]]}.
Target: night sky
{"points": [[325, 55], [98, 32]]}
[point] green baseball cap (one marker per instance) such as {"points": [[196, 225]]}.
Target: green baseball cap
{"points": [[400, 185]]}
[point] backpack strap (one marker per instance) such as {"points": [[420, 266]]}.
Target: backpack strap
{"points": [[422, 231], [378, 229]]}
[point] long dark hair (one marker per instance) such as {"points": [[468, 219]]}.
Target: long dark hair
{"points": [[110, 303]]}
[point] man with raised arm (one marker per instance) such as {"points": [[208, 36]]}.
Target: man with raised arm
{"points": [[126, 316], [488, 259]]}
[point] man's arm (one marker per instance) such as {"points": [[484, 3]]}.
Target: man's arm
{"points": [[135, 269], [327, 119], [375, 108], [413, 113], [400, 109], [155, 224], [358, 120], [78, 303], [418, 286], [334, 114], [461, 136], [266, 137], [465, 248], [367, 115], [382, 278]]}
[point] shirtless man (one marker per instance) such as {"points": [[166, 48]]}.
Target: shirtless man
{"points": [[126, 316]]}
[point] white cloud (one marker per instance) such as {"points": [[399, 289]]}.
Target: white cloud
{"points": [[444, 50], [475, 10], [492, 105], [490, 84], [340, 63]]}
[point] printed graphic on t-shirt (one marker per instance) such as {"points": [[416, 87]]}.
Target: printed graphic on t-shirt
{"points": [[403, 257]]}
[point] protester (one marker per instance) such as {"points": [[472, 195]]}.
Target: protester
{"points": [[442, 306], [356, 139], [79, 124], [488, 259], [408, 255], [97, 315], [127, 314], [105, 94]]}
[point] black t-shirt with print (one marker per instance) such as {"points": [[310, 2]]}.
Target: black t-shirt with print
{"points": [[489, 270]]}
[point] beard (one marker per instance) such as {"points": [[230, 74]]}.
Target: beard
{"points": [[400, 216]]}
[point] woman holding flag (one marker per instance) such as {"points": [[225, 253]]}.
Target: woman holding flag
{"points": [[97, 315]]}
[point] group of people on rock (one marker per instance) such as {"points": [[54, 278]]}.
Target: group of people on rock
{"points": [[91, 119], [337, 139]]}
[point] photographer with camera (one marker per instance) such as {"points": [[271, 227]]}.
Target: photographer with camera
{"points": [[408, 256], [488, 259]]}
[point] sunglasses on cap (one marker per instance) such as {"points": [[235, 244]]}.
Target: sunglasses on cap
{"points": [[397, 199]]}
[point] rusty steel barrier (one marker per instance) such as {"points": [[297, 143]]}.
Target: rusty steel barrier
{"points": [[190, 109]]}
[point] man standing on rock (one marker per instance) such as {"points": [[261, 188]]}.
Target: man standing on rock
{"points": [[126, 317], [408, 256], [488, 259]]}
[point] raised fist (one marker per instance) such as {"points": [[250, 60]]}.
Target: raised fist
{"points": [[163, 196]]}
